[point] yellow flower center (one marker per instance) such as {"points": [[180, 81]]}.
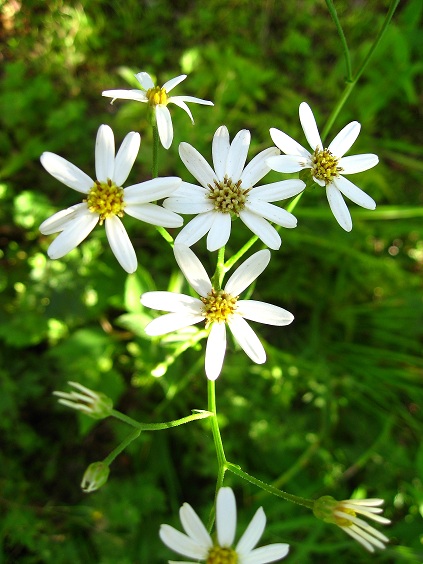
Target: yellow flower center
{"points": [[218, 306], [218, 555], [157, 96], [343, 521], [227, 196], [105, 199], [325, 165]]}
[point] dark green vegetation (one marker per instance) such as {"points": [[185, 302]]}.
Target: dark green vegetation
{"points": [[337, 408]]}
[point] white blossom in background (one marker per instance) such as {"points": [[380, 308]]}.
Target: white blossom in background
{"points": [[326, 164], [229, 190], [106, 201], [217, 307], [158, 98], [196, 543]]}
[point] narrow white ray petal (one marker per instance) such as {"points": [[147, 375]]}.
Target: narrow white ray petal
{"points": [[215, 350], [182, 544], [247, 339], [309, 126], [219, 232], [237, 156], [75, 233], [265, 554], [196, 164], [192, 99], [136, 95], [66, 172], [225, 517], [319, 182], [261, 228], [194, 527], [368, 535], [164, 126], [188, 206], [169, 301], [257, 167], [288, 163], [192, 269], [272, 213], [154, 214], [370, 501], [264, 312], [126, 156], [371, 515], [195, 229], [287, 145], [249, 270], [252, 533], [178, 102], [62, 219], [356, 536], [190, 191], [121, 244], [170, 84], [151, 190], [220, 151], [339, 207], [104, 153], [145, 80], [171, 322], [358, 163], [354, 193], [277, 190], [345, 139]]}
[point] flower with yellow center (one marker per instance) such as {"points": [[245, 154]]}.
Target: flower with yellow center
{"points": [[326, 164], [230, 191], [157, 97], [106, 201], [196, 543], [217, 307]]}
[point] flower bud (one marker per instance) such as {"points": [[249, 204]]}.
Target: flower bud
{"points": [[93, 404], [95, 476]]}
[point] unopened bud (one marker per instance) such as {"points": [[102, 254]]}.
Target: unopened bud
{"points": [[95, 477]]}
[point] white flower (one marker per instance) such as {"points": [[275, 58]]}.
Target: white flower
{"points": [[326, 164], [93, 404], [198, 544], [106, 200], [217, 307], [229, 190], [158, 98]]}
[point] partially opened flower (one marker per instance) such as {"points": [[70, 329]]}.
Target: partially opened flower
{"points": [[158, 98], [229, 191], [217, 307], [326, 164], [196, 543], [93, 404], [106, 201]]}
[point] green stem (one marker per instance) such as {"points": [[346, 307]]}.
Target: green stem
{"points": [[159, 426], [165, 234], [120, 448], [235, 258], [219, 273], [155, 167], [335, 18]]}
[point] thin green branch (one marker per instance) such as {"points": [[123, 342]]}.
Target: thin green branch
{"points": [[341, 33]]}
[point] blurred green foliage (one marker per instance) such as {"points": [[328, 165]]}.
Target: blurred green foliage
{"points": [[337, 408]]}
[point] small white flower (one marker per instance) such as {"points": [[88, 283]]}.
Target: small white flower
{"points": [[93, 404], [229, 190], [158, 99], [217, 307], [106, 200], [326, 164], [198, 545]]}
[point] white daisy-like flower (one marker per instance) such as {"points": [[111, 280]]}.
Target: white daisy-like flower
{"points": [[229, 190], [106, 201], [196, 543], [217, 307], [345, 515], [158, 98], [326, 164]]}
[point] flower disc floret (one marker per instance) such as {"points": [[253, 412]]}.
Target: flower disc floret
{"points": [[218, 306], [218, 555], [228, 196], [324, 166], [157, 96], [106, 199]]}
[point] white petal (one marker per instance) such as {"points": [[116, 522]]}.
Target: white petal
{"points": [[182, 544], [170, 84], [145, 80], [220, 151], [151, 190], [121, 244], [189, 206], [261, 228], [215, 350], [358, 163], [252, 533], [126, 157], [136, 95], [288, 163], [66, 172], [178, 102], [238, 154], [287, 145], [249, 270], [277, 190], [74, 234], [220, 231], [171, 322], [169, 301], [225, 517], [272, 213], [265, 554], [257, 167], [356, 536], [191, 99], [156, 215], [339, 207], [192, 269], [62, 219], [164, 126], [354, 193], [190, 191], [309, 126], [104, 153], [345, 139], [194, 527], [247, 339], [195, 229], [264, 313], [196, 164]]}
